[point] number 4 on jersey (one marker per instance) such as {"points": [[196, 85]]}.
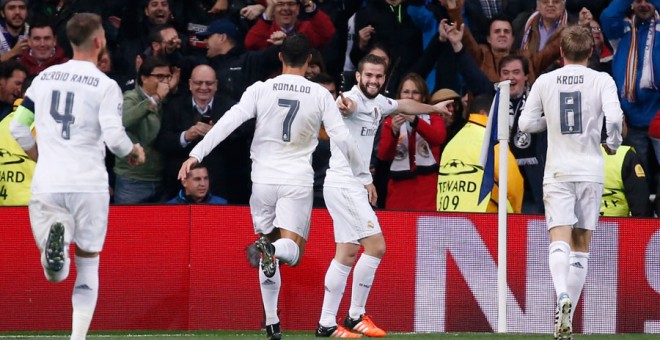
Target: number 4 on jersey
{"points": [[65, 119]]}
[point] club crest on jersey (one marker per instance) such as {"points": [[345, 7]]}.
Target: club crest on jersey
{"points": [[522, 140]]}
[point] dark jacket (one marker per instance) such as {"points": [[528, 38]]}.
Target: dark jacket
{"points": [[225, 163]]}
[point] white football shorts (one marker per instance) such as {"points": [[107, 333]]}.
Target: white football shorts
{"points": [[352, 215], [281, 206], [576, 204], [84, 215]]}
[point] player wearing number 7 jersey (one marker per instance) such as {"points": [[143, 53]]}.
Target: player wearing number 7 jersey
{"points": [[289, 110], [574, 99], [77, 111]]}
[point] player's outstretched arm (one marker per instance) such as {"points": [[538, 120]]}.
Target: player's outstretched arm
{"points": [[345, 105], [19, 128], [413, 107]]}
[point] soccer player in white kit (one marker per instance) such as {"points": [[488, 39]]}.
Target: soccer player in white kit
{"points": [[77, 110], [570, 102], [349, 204], [289, 110]]}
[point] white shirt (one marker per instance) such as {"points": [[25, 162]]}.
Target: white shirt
{"points": [[76, 109], [289, 110], [362, 124], [574, 99]]}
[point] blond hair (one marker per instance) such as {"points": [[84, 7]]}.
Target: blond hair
{"points": [[577, 43]]}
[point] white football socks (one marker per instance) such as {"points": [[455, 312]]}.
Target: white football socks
{"points": [[558, 263], [287, 250], [85, 294], [335, 284], [577, 275], [270, 292], [363, 278]]}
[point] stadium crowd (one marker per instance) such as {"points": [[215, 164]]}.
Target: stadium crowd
{"points": [[183, 64]]}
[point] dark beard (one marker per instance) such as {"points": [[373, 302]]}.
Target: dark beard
{"points": [[363, 88]]}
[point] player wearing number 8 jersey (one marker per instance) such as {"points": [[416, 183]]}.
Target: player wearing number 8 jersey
{"points": [[77, 112], [289, 110], [574, 99]]}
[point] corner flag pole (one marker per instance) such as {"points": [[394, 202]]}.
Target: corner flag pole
{"points": [[503, 137]]}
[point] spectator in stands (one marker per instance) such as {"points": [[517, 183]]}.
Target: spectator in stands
{"points": [[455, 121], [412, 145], [316, 65], [601, 59], [134, 32], [626, 191], [479, 14], [196, 188], [500, 44], [460, 164], [636, 70], [142, 121], [12, 76], [528, 148], [196, 15], [14, 29], [57, 13], [236, 68], [549, 17], [43, 50], [285, 16], [186, 120], [387, 22]]}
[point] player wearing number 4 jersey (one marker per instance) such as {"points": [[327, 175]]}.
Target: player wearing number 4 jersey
{"points": [[77, 112], [574, 99], [289, 111]]}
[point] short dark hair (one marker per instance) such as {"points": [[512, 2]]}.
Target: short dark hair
{"points": [[8, 68], [39, 23], [371, 59], [500, 17], [295, 50], [514, 57], [148, 66], [81, 27], [481, 102], [155, 32]]}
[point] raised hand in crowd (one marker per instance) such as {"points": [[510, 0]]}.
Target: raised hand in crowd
{"points": [[174, 81], [585, 16], [252, 12], [277, 38], [398, 120], [364, 36], [219, 6], [452, 4], [454, 35]]}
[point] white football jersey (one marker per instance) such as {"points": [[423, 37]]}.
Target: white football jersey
{"points": [[574, 99], [362, 124], [76, 109], [289, 110]]}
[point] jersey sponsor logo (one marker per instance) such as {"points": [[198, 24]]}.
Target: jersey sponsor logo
{"points": [[367, 131], [291, 88], [570, 80]]}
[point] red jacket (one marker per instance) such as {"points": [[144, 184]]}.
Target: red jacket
{"points": [[418, 190], [654, 127], [34, 67], [318, 28]]}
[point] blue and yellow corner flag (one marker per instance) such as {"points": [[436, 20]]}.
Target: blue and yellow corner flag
{"points": [[487, 157]]}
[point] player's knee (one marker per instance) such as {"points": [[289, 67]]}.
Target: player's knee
{"points": [[375, 249]]}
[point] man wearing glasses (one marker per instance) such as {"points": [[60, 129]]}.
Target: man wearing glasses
{"points": [[142, 121]]}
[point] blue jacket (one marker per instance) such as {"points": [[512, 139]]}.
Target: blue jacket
{"points": [[641, 112], [181, 198]]}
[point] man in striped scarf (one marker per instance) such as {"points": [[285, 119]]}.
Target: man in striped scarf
{"points": [[636, 69]]}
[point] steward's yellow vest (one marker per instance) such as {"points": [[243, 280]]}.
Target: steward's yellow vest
{"points": [[16, 168], [614, 202], [460, 175]]}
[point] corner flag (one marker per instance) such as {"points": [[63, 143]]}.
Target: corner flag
{"points": [[487, 157]]}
